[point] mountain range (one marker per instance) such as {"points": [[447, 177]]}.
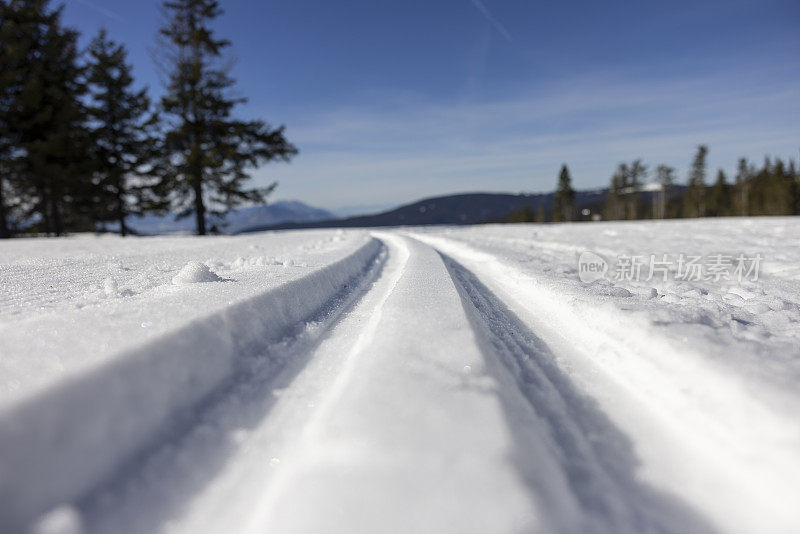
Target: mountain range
{"points": [[236, 220], [458, 209], [466, 208]]}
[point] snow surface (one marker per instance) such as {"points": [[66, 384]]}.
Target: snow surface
{"points": [[453, 379]]}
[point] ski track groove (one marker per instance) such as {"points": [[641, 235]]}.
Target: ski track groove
{"points": [[255, 374], [254, 389], [259, 376], [686, 416], [335, 391], [596, 458]]}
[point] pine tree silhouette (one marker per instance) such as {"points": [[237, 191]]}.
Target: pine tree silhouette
{"points": [[564, 199], [124, 136], [694, 197], [207, 151]]}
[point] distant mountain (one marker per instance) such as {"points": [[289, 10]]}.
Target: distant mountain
{"points": [[454, 209], [467, 208], [362, 209], [282, 211]]}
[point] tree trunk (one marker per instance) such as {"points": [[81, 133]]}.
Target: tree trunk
{"points": [[4, 232], [58, 225], [199, 207], [745, 196], [123, 231], [44, 206], [121, 214]]}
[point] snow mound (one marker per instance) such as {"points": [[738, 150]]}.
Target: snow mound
{"points": [[61, 520], [195, 272]]}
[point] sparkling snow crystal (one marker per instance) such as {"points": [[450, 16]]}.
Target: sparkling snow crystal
{"points": [[195, 272]]}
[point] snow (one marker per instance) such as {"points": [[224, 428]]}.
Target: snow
{"points": [[722, 390], [89, 384], [195, 272], [497, 378], [61, 520]]}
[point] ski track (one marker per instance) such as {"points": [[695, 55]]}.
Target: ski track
{"points": [[693, 423], [145, 492], [370, 315], [597, 460], [347, 419]]}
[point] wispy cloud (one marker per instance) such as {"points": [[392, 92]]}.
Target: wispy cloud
{"points": [[492, 20], [406, 148], [102, 10]]}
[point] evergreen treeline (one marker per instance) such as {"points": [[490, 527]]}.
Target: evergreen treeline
{"points": [[82, 147], [772, 189]]}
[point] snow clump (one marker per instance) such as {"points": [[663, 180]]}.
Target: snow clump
{"points": [[195, 272]]}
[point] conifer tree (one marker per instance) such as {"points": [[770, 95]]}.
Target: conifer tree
{"points": [[771, 190], [794, 187], [124, 135], [563, 201], [665, 176], [6, 193], [208, 151], [742, 187], [719, 197], [44, 119], [780, 190], [7, 88], [636, 176], [760, 190], [623, 186], [521, 216], [614, 202], [540, 214], [14, 41], [694, 197], [5, 169]]}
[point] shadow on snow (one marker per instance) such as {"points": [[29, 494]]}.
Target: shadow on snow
{"points": [[597, 459], [158, 482]]}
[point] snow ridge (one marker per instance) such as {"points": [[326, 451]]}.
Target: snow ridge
{"points": [[63, 442], [695, 424], [592, 484]]}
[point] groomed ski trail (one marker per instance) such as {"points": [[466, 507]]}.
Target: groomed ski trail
{"points": [[383, 430], [432, 388]]}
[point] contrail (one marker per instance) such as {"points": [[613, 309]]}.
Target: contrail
{"points": [[102, 10], [494, 22]]}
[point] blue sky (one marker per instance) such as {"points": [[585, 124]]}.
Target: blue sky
{"points": [[393, 101]]}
